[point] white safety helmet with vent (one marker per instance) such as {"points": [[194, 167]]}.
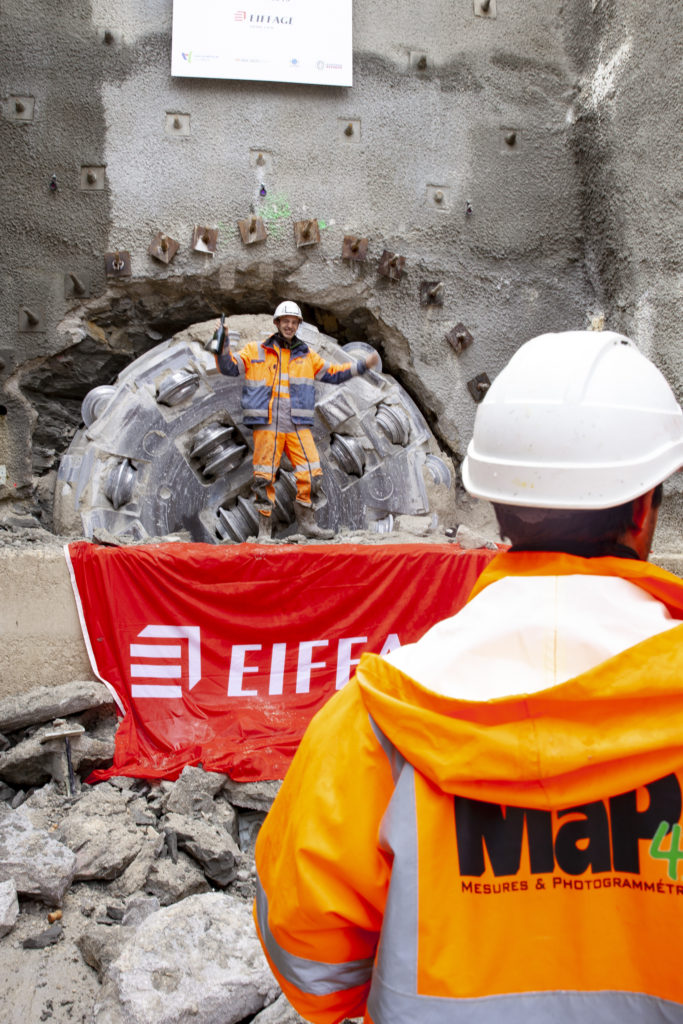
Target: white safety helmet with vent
{"points": [[578, 420], [287, 308]]}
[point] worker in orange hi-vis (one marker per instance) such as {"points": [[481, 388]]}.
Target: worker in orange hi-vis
{"points": [[485, 825], [278, 402]]}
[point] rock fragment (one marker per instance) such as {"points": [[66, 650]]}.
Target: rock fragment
{"points": [[48, 702], [171, 882], [9, 906], [468, 538], [40, 866], [252, 796], [193, 791], [211, 846], [101, 852], [48, 937], [279, 1012], [198, 960]]}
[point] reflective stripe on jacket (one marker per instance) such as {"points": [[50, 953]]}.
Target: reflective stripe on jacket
{"points": [[260, 363], [441, 861]]}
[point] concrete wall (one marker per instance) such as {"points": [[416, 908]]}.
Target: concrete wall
{"points": [[42, 643], [572, 220]]}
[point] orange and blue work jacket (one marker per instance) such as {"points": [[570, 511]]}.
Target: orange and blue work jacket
{"points": [[433, 859], [269, 370]]}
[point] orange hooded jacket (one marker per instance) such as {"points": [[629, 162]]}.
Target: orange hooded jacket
{"points": [[436, 860]]}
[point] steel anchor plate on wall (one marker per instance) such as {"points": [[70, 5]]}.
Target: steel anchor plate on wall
{"points": [[205, 239], [354, 248], [117, 264], [31, 320], [306, 232], [92, 179], [19, 108], [431, 293], [459, 338], [252, 229], [163, 247], [478, 386], [391, 265]]}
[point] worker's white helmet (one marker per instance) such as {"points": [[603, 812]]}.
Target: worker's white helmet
{"points": [[287, 308], [579, 420]]}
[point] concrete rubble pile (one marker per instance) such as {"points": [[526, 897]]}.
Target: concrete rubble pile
{"points": [[129, 901]]}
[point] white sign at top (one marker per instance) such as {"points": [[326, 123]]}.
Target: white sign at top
{"points": [[306, 41]]}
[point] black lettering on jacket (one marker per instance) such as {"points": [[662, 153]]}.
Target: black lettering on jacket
{"points": [[602, 835]]}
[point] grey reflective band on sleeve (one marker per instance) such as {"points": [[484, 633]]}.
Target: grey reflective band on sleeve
{"points": [[387, 1006], [311, 976]]}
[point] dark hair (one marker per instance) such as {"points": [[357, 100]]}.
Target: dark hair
{"points": [[553, 529]]}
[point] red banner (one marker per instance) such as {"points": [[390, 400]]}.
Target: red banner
{"points": [[222, 655]]}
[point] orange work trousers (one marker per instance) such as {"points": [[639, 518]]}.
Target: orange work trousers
{"points": [[300, 449]]}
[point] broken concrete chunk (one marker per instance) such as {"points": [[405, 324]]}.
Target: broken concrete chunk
{"points": [[211, 846], [134, 878], [252, 796], [249, 825], [198, 960], [100, 945], [49, 937], [193, 791], [41, 866], [279, 1012], [9, 906], [171, 882], [468, 538], [41, 756], [138, 909], [46, 703], [103, 849]]}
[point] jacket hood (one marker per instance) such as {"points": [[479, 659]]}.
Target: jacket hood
{"points": [[611, 729]]}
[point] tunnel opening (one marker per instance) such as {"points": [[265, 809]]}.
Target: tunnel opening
{"points": [[379, 437], [106, 335]]}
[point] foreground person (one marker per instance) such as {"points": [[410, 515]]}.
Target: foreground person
{"points": [[278, 402], [484, 825]]}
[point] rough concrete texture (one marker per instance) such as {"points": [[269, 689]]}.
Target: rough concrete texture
{"points": [[42, 639], [513, 266]]}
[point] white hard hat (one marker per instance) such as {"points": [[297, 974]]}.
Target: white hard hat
{"points": [[287, 308], [578, 420]]}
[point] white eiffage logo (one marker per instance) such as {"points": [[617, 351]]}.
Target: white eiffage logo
{"points": [[157, 664]]}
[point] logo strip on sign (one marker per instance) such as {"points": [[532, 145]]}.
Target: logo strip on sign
{"points": [[170, 652]]}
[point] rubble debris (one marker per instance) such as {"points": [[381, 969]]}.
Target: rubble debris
{"points": [[252, 796], [46, 938], [9, 906], [198, 960], [102, 853], [40, 866], [47, 703], [212, 847], [172, 882], [468, 538], [138, 869]]}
